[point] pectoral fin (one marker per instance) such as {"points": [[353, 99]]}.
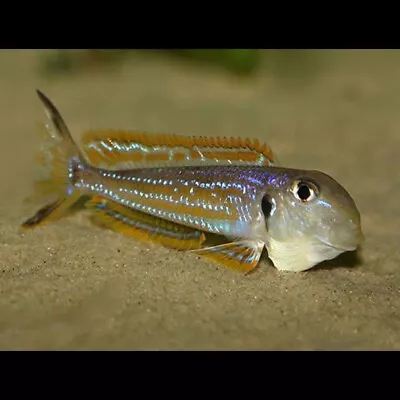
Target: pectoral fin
{"points": [[143, 226], [242, 256]]}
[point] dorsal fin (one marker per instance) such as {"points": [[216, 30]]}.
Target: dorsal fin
{"points": [[115, 149]]}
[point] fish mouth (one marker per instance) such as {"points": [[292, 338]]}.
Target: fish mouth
{"points": [[346, 247], [343, 248]]}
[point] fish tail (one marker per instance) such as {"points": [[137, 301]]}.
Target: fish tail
{"points": [[60, 164]]}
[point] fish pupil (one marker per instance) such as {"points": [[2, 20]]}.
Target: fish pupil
{"points": [[303, 192]]}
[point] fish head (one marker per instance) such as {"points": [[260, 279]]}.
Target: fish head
{"points": [[310, 218]]}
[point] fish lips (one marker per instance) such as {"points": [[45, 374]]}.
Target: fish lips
{"points": [[346, 246]]}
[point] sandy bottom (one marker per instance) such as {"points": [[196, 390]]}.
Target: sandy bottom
{"points": [[71, 285]]}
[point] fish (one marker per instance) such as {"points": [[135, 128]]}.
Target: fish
{"points": [[184, 191]]}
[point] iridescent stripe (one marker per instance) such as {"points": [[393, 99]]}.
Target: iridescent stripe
{"points": [[222, 200], [147, 227], [120, 149]]}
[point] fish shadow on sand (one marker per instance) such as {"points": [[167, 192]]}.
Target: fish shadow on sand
{"points": [[350, 259], [346, 260]]}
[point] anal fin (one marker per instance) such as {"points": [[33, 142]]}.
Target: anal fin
{"points": [[142, 226], [241, 256]]}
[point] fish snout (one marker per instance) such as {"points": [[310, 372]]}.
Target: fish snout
{"points": [[351, 238]]}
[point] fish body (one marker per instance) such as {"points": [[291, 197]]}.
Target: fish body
{"points": [[221, 200], [176, 190]]}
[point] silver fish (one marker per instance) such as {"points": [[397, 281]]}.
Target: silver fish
{"points": [[178, 190]]}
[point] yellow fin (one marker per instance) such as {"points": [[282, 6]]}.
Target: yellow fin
{"points": [[114, 149], [58, 160], [241, 256], [52, 211], [143, 226]]}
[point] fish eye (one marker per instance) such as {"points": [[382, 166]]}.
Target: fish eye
{"points": [[305, 191]]}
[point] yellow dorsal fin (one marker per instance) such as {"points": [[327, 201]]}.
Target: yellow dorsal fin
{"points": [[115, 149]]}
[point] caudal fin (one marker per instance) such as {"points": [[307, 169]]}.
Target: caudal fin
{"points": [[59, 159]]}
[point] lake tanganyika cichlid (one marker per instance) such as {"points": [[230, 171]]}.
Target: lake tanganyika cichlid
{"points": [[178, 191]]}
